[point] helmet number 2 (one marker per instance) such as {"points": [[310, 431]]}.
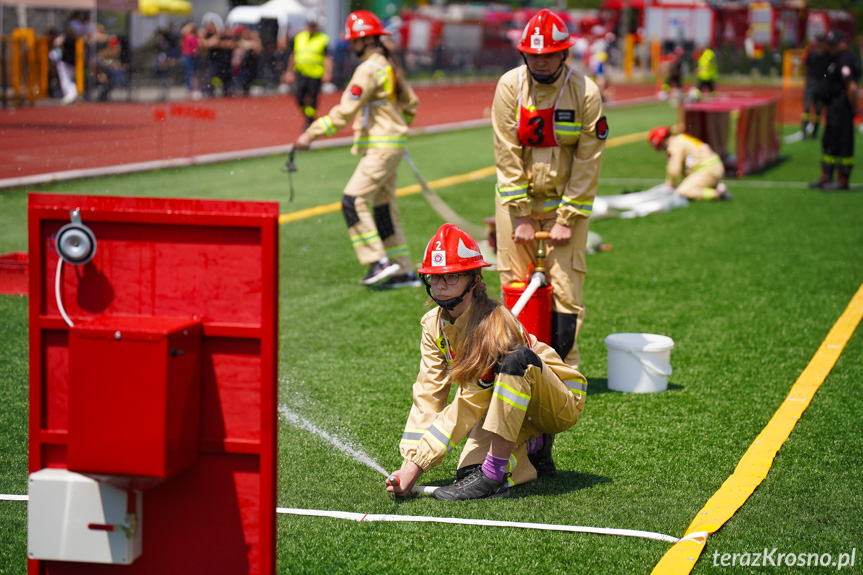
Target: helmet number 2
{"points": [[537, 124], [437, 245]]}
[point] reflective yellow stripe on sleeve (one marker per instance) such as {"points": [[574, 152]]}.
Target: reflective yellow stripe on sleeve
{"points": [[327, 125], [511, 193], [581, 207], [412, 435], [567, 128], [440, 437]]}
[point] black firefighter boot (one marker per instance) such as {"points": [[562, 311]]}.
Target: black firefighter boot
{"points": [[541, 460], [563, 327], [828, 168]]}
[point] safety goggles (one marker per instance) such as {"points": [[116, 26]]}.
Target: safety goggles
{"points": [[449, 279]]}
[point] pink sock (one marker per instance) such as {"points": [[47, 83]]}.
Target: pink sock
{"points": [[535, 444], [495, 467]]}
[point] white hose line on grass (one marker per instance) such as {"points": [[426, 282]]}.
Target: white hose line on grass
{"points": [[453, 520], [742, 183], [362, 517]]}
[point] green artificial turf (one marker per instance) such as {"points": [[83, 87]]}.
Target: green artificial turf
{"points": [[747, 289]]}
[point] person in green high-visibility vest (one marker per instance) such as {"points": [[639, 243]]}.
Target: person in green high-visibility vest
{"points": [[310, 65], [707, 72]]}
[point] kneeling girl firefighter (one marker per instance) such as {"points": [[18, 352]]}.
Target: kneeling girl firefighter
{"points": [[513, 392]]}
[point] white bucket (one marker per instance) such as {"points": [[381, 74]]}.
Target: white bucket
{"points": [[638, 362]]}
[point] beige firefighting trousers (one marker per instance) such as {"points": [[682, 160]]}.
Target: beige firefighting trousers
{"points": [[566, 264], [701, 183], [376, 231], [551, 408]]}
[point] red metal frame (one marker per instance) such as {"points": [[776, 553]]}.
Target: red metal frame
{"points": [[756, 140], [214, 261]]}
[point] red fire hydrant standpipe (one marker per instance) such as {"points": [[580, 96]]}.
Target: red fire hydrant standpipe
{"points": [[534, 299]]}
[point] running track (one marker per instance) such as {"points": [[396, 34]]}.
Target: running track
{"points": [[45, 140]]}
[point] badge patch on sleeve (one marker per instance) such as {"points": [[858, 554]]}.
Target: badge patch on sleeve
{"points": [[356, 92], [602, 128]]}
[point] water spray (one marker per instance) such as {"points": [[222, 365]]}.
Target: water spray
{"points": [[346, 448]]}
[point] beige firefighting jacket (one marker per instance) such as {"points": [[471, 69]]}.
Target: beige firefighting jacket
{"points": [[434, 428], [562, 177], [381, 116], [686, 155]]}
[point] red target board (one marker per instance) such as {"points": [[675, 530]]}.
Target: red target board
{"points": [[153, 370]]}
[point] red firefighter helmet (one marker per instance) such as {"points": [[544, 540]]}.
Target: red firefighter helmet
{"points": [[657, 135], [362, 24], [451, 250], [545, 33]]}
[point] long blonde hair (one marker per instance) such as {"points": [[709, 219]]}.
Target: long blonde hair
{"points": [[490, 333]]}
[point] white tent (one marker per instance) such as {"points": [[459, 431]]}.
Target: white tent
{"points": [[101, 5], [290, 14]]}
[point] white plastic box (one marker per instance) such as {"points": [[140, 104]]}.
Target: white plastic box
{"points": [[69, 516]]}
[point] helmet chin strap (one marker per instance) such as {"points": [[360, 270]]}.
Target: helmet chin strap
{"points": [[366, 46], [360, 53], [453, 302], [545, 78]]}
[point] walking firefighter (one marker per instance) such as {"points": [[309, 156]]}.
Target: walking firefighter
{"points": [[381, 105]]}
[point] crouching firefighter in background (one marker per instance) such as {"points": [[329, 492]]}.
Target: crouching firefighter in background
{"points": [[692, 168], [513, 392], [381, 105], [549, 135]]}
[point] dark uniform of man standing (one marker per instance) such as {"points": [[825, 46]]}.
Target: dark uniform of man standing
{"points": [[840, 93], [817, 58]]}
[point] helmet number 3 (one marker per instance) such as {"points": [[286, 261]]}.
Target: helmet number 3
{"points": [[537, 124]]}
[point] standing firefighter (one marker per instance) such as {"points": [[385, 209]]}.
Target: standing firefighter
{"points": [[840, 95], [309, 66], [817, 59], [675, 74], [692, 160], [549, 134], [381, 105], [513, 392]]}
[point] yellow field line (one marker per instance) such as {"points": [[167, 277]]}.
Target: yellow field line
{"points": [[436, 184], [757, 460]]}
